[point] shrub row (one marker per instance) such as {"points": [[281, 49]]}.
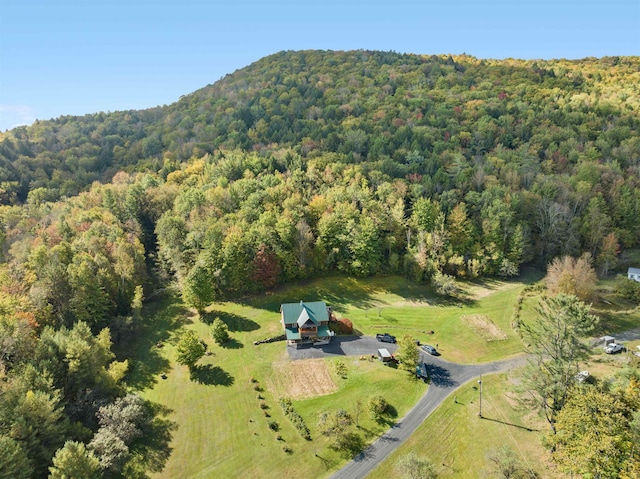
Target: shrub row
{"points": [[295, 418], [272, 339], [517, 309]]}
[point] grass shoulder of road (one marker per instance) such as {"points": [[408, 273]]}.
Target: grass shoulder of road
{"points": [[457, 441]]}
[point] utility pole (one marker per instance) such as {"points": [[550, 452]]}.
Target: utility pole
{"points": [[480, 383]]}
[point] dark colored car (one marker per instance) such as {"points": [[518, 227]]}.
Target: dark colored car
{"points": [[427, 348], [386, 338]]}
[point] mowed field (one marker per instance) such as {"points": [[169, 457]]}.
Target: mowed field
{"points": [[221, 428], [458, 442]]}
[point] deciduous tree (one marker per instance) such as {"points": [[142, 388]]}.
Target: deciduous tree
{"points": [[609, 250], [266, 268], [505, 464], [198, 290], [377, 407], [445, 284], [572, 276], [111, 450], [336, 425], [413, 467], [189, 349], [408, 354], [593, 437]]}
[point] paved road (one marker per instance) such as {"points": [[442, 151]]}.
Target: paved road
{"points": [[445, 378], [630, 335]]}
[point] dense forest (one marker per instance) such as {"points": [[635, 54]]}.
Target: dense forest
{"points": [[302, 164]]}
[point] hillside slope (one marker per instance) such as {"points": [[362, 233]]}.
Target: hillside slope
{"points": [[439, 115]]}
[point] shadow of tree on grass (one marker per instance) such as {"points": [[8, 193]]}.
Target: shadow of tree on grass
{"points": [[152, 450], [232, 343], [234, 322], [350, 445], [510, 424], [211, 375], [159, 321]]}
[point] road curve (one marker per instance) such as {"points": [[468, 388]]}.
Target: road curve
{"points": [[445, 378]]}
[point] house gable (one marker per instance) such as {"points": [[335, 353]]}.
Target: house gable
{"points": [[315, 312], [304, 320]]}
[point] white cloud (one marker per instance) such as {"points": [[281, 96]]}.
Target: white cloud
{"points": [[15, 115]]}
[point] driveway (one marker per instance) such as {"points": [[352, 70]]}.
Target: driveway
{"points": [[631, 335], [341, 346], [446, 377]]}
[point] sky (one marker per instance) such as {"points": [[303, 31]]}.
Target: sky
{"points": [[72, 57]]}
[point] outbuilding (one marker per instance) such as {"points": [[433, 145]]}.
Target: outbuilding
{"points": [[634, 274], [606, 340], [384, 355]]}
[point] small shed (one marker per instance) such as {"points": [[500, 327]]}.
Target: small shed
{"points": [[634, 274], [384, 355], [606, 340]]}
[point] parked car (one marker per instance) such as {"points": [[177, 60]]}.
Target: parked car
{"points": [[582, 376], [614, 348], [427, 348], [422, 372], [386, 338]]}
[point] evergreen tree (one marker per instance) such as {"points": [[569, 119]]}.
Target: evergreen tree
{"points": [[556, 344], [219, 331], [74, 461]]}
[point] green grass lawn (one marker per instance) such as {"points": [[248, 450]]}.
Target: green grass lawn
{"points": [[457, 441], [419, 313], [220, 428], [616, 313]]}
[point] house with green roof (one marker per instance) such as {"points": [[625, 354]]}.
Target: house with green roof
{"points": [[305, 322]]}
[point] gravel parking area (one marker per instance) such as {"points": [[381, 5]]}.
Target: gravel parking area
{"points": [[341, 346]]}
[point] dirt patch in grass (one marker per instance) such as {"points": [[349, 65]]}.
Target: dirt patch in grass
{"points": [[302, 379], [486, 328]]}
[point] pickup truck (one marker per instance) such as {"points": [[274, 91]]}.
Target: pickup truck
{"points": [[386, 338], [614, 348]]}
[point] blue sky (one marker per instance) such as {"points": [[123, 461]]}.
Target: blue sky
{"points": [[60, 57]]}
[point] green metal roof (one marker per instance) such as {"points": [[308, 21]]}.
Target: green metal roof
{"points": [[316, 310], [291, 335], [323, 331]]}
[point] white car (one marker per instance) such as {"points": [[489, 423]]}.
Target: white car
{"points": [[614, 348]]}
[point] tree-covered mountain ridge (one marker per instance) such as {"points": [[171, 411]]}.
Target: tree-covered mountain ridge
{"points": [[371, 106], [304, 164]]}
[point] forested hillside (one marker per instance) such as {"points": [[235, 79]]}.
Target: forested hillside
{"points": [[435, 115], [302, 164]]}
